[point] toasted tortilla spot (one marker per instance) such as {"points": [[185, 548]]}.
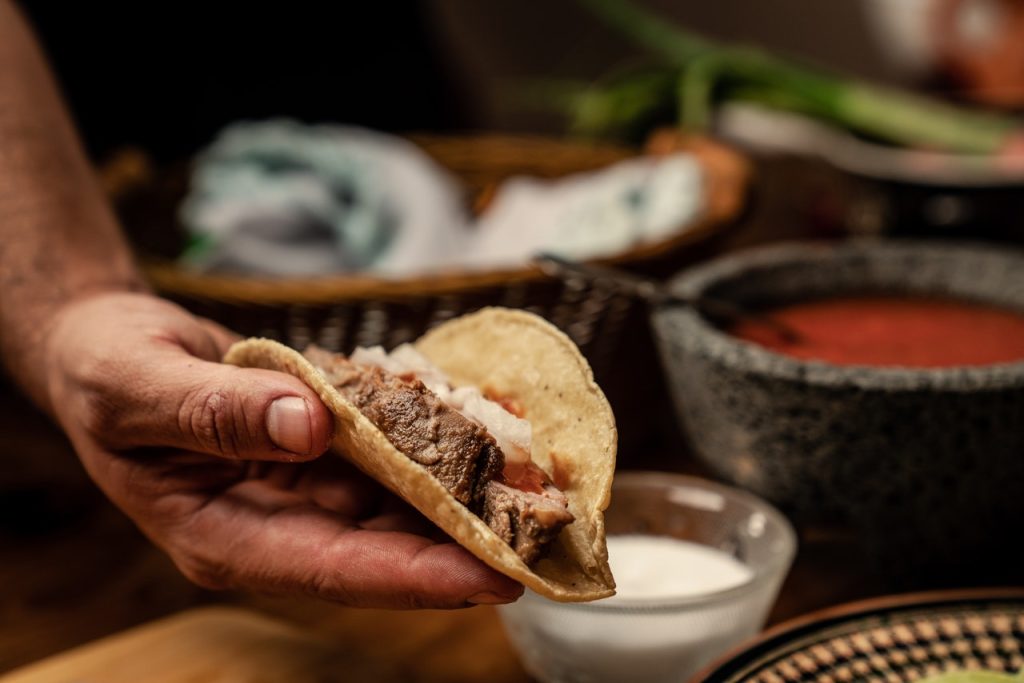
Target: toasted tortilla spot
{"points": [[561, 474]]}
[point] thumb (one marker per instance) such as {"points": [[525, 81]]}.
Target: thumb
{"points": [[225, 411]]}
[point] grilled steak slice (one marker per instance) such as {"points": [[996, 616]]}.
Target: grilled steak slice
{"points": [[526, 521], [455, 450]]}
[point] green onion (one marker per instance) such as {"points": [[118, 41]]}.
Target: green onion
{"points": [[706, 73]]}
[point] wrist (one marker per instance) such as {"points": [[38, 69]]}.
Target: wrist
{"points": [[31, 345]]}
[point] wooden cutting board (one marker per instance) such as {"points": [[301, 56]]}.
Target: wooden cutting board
{"points": [[209, 645]]}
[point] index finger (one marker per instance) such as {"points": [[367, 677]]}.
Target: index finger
{"points": [[309, 550]]}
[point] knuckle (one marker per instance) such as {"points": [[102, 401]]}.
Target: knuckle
{"points": [[204, 573], [102, 410], [328, 585], [203, 563], [417, 601], [101, 417], [208, 416]]}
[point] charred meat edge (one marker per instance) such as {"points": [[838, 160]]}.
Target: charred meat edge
{"points": [[457, 451]]}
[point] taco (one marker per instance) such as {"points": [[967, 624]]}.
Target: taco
{"points": [[492, 427]]}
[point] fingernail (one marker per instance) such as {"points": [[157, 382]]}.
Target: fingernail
{"points": [[490, 599], [288, 425]]}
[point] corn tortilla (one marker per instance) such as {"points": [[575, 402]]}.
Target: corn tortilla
{"points": [[518, 356]]}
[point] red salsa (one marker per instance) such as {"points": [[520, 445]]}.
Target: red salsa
{"points": [[525, 477], [885, 330]]}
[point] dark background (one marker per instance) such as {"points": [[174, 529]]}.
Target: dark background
{"points": [[167, 76]]}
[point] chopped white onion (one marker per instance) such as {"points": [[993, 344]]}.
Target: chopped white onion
{"points": [[513, 434]]}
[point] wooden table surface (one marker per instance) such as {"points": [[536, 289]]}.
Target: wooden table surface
{"points": [[74, 569]]}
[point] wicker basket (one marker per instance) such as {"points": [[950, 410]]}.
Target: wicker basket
{"points": [[340, 312]]}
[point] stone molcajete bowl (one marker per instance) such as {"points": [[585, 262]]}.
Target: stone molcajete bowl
{"points": [[926, 465]]}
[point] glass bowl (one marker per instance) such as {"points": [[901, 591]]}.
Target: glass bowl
{"points": [[648, 639], [922, 464]]}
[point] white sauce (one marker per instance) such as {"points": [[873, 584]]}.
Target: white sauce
{"points": [[636, 644], [660, 567]]}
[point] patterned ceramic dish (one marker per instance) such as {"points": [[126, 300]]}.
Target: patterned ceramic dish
{"points": [[928, 464], [889, 640]]}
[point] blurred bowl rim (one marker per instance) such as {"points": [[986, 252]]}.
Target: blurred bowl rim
{"points": [[757, 128], [779, 566], [703, 337]]}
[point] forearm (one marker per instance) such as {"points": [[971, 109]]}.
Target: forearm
{"points": [[58, 237]]}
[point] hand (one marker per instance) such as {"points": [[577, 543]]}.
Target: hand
{"points": [[219, 466]]}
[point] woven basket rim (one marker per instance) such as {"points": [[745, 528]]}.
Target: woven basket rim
{"points": [[170, 278]]}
